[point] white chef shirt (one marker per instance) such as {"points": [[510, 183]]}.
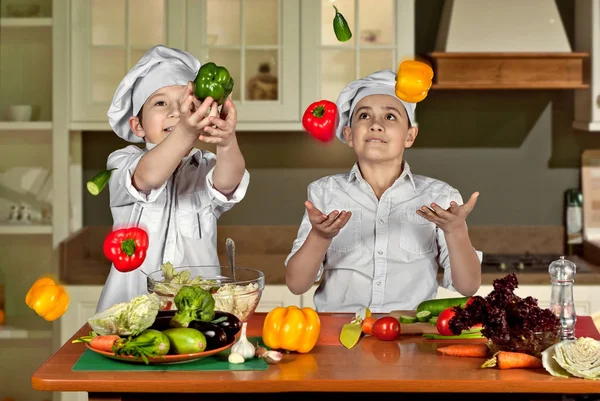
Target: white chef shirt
{"points": [[387, 256], [180, 217]]}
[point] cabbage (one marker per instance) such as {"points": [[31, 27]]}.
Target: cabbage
{"points": [[127, 318], [579, 358]]}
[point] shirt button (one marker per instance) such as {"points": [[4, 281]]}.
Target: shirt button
{"points": [[379, 284], [380, 252], [380, 221]]}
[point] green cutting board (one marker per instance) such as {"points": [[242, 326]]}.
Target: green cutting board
{"points": [[91, 361]]}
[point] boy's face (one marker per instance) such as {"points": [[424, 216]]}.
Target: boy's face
{"points": [[380, 129], [160, 114]]}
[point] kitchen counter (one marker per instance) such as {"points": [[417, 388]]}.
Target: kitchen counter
{"points": [[406, 365], [266, 247]]}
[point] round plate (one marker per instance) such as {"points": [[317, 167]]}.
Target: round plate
{"points": [[161, 359]]}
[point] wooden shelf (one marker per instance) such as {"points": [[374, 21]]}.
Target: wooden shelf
{"points": [[25, 327], [24, 229], [25, 22], [25, 125], [509, 70]]}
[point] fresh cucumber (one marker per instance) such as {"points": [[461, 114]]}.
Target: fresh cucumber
{"points": [[99, 181], [185, 340], [436, 306], [407, 319], [423, 316], [433, 321]]}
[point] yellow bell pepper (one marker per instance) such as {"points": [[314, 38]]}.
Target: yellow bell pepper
{"points": [[47, 298], [291, 329], [413, 81]]}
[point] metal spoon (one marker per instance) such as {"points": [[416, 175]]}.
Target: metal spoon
{"points": [[230, 247]]}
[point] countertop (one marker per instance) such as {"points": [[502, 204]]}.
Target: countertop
{"points": [[408, 364], [266, 247]]}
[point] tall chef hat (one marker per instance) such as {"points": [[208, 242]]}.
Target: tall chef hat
{"points": [[378, 83], [161, 66]]}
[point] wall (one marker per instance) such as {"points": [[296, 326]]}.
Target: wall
{"points": [[516, 147]]}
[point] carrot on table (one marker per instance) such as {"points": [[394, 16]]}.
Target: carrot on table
{"points": [[513, 360], [367, 325], [465, 350], [104, 343]]}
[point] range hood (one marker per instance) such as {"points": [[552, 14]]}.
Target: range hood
{"points": [[511, 44]]}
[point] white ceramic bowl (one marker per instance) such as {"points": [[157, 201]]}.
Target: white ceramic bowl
{"points": [[19, 113]]}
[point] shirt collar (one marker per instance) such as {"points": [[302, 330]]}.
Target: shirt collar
{"points": [[356, 175], [195, 152]]}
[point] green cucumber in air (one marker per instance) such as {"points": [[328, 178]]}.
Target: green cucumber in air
{"points": [[99, 181]]}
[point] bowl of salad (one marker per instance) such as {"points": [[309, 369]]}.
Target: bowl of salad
{"points": [[239, 297]]}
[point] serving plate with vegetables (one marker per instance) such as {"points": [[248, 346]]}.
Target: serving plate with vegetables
{"points": [[137, 331]]}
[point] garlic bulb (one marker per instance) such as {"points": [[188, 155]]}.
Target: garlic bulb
{"points": [[243, 346]]}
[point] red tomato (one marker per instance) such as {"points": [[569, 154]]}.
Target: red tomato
{"points": [[442, 321], [386, 328]]}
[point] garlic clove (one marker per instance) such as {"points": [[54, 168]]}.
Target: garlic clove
{"points": [[272, 357], [243, 346], [235, 358]]}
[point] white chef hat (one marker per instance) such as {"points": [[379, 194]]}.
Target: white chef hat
{"points": [[161, 66], [378, 83]]}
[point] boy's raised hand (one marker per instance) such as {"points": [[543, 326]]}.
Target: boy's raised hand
{"points": [[193, 112], [451, 219], [221, 129], [326, 226]]}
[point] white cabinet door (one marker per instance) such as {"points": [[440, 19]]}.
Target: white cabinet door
{"points": [[382, 36], [107, 38], [258, 41], [83, 305], [277, 295]]}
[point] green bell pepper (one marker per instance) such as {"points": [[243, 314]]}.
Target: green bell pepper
{"points": [[213, 81]]}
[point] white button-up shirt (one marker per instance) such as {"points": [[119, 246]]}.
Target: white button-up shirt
{"points": [[180, 217], [387, 256]]}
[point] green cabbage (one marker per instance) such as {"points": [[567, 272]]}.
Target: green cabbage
{"points": [[127, 318], [579, 358]]}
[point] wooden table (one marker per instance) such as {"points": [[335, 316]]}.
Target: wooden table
{"points": [[409, 365]]}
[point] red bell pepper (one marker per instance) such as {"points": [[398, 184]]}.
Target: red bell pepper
{"points": [[126, 248], [320, 120]]}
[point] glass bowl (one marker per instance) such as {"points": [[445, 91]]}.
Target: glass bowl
{"points": [[534, 345], [239, 297]]}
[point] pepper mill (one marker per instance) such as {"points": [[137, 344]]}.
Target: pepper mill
{"points": [[562, 276]]}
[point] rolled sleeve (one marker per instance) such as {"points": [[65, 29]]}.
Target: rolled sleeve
{"points": [[222, 202], [443, 256], [305, 228], [122, 192]]}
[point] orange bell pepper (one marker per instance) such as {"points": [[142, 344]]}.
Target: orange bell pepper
{"points": [[291, 329], [47, 298], [413, 81]]}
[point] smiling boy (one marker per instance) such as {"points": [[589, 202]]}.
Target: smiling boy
{"points": [[171, 189], [378, 234]]}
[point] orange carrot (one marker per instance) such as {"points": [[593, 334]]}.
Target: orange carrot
{"points": [[513, 360], [104, 343], [465, 350], [367, 325]]}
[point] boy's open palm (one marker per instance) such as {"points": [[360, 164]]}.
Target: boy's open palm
{"points": [[221, 129], [450, 219], [326, 226]]}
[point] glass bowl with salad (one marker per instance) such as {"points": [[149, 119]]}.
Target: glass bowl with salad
{"points": [[239, 297]]}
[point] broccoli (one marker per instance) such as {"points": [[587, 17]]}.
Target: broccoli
{"points": [[193, 303]]}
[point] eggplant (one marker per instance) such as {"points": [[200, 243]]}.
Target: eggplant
{"points": [[162, 320], [228, 322], [215, 336]]}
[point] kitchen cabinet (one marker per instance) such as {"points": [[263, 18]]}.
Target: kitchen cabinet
{"points": [[107, 38], [246, 36], [280, 59], [382, 37], [587, 39]]}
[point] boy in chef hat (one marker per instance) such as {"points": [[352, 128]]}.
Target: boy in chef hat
{"points": [[377, 234], [171, 189]]}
